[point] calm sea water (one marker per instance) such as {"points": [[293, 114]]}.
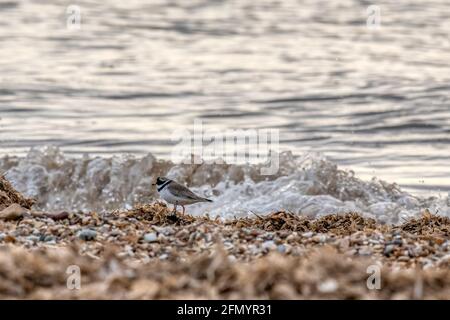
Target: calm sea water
{"points": [[373, 101]]}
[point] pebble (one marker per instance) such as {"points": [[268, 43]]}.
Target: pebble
{"points": [[344, 244], [150, 237], [281, 248], [161, 237], [33, 238], [292, 236], [115, 233], [85, 220], [389, 249], [416, 251], [365, 251], [104, 228], [13, 212], [328, 286], [183, 235], [308, 234], [395, 242], [320, 238], [167, 231], [87, 234], [2, 236], [268, 245], [253, 249], [228, 245], [49, 238]]}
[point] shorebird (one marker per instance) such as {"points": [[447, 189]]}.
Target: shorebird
{"points": [[176, 194]]}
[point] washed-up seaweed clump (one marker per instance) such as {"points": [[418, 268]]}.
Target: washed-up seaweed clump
{"points": [[156, 214], [336, 223], [9, 196], [428, 224]]}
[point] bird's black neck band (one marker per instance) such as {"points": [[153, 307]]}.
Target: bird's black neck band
{"points": [[164, 185]]}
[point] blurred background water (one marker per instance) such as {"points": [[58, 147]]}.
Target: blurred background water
{"points": [[376, 101]]}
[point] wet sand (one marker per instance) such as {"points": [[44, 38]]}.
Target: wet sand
{"points": [[149, 253]]}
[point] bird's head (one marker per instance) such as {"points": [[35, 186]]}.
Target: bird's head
{"points": [[160, 181]]}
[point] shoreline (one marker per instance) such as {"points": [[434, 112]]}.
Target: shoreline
{"points": [[149, 253], [330, 253]]}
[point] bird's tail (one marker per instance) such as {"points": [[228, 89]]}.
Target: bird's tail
{"points": [[207, 200]]}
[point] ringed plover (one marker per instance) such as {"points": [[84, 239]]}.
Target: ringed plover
{"points": [[177, 194]]}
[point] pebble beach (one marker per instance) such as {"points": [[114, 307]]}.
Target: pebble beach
{"points": [[319, 130], [149, 253]]}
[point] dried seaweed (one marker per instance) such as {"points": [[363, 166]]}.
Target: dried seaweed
{"points": [[9, 196], [339, 224], [428, 224]]}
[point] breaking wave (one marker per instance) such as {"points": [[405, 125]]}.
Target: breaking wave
{"points": [[308, 184]]}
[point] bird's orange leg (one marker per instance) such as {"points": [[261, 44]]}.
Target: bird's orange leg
{"points": [[175, 208]]}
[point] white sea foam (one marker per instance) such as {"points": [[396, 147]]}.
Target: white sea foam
{"points": [[308, 185]]}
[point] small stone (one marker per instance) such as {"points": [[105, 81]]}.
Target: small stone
{"points": [[228, 245], [13, 212], [150, 237], [58, 216], [389, 249], [268, 236], [183, 235], [85, 220], [33, 238], [115, 233], [344, 244], [2, 236], [104, 229], [365, 251], [253, 250], [292, 236], [268, 245], [87, 234], [403, 258], [284, 233], [397, 240], [281, 248], [49, 238], [416, 251], [167, 231], [320, 238], [328, 286], [161, 237], [308, 234]]}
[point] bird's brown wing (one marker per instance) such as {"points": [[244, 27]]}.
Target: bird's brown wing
{"points": [[183, 191]]}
